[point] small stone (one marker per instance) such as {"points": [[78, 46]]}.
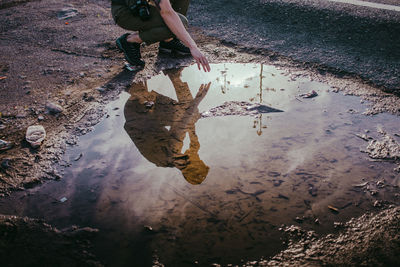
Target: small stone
{"points": [[35, 135], [101, 89], [53, 108], [40, 118], [310, 94], [148, 228], [62, 200], [21, 115], [5, 145], [82, 74], [377, 204]]}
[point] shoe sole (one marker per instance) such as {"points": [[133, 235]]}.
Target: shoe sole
{"points": [[170, 51], [128, 65]]}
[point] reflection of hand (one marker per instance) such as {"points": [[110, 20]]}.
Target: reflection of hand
{"points": [[200, 59], [203, 90]]}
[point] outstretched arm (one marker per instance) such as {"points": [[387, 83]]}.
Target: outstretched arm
{"points": [[176, 26]]}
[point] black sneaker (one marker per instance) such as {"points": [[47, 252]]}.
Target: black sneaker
{"points": [[174, 46], [131, 52]]}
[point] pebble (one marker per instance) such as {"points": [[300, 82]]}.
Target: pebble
{"points": [[54, 108], [40, 118], [35, 135], [101, 89], [310, 94], [5, 145]]}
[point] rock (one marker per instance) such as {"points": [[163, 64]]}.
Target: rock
{"points": [[40, 118], [35, 135], [310, 94], [5, 145], [241, 108], [386, 148], [21, 115], [101, 89], [53, 108]]}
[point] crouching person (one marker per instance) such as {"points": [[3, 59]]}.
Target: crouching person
{"points": [[160, 21]]}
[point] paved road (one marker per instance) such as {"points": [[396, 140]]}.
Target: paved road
{"points": [[350, 37]]}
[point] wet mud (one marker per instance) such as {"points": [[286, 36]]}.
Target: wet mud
{"points": [[163, 183], [29, 242]]}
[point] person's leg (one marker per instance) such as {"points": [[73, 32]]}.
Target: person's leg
{"points": [[180, 6]]}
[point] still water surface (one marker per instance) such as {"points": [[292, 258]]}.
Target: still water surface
{"points": [[158, 179]]}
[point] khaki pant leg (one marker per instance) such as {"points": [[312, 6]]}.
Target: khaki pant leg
{"points": [[180, 6], [150, 31]]}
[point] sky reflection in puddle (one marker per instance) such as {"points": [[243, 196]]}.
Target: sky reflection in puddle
{"points": [[214, 189]]}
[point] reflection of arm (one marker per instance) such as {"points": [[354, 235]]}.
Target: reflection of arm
{"points": [[194, 141]]}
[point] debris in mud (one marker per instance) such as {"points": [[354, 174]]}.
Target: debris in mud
{"points": [[378, 235], [364, 137], [385, 149], [40, 244], [63, 199], [332, 208], [78, 157], [5, 145], [310, 94], [67, 13], [35, 135], [241, 108], [53, 108]]}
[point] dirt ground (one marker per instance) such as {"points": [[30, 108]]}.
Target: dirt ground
{"points": [[73, 62]]}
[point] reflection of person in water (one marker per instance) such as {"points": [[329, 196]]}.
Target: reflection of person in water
{"points": [[158, 129]]}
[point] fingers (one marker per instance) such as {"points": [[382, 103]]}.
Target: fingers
{"points": [[208, 86], [203, 62]]}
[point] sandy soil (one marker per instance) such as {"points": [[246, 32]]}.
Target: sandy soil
{"points": [[74, 63]]}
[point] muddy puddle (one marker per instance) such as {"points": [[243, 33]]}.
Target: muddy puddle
{"points": [[169, 174]]}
